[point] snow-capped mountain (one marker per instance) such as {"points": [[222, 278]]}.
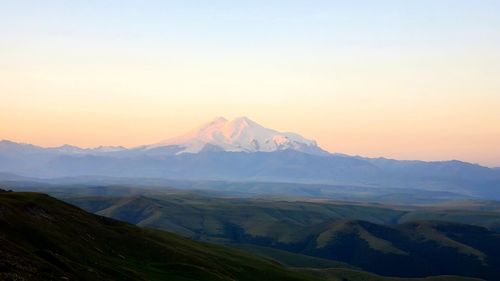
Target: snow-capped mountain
{"points": [[238, 135], [207, 153]]}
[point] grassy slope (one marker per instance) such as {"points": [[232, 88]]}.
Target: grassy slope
{"points": [[415, 249], [488, 219], [343, 274], [193, 215], [292, 259], [207, 218], [43, 239], [319, 229]]}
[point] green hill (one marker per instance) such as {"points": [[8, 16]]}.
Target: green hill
{"points": [[42, 238], [206, 218], [413, 249], [343, 274], [364, 236]]}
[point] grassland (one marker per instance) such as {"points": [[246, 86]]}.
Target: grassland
{"points": [[386, 240], [45, 239]]}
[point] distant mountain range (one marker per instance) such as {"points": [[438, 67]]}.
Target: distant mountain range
{"points": [[242, 150], [238, 135]]}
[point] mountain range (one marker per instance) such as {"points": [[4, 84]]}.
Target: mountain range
{"points": [[242, 150]]}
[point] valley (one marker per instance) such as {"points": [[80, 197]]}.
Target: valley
{"points": [[298, 232], [44, 238]]}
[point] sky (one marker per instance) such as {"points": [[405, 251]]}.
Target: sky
{"points": [[401, 79]]}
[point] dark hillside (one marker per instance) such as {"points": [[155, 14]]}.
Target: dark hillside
{"points": [[42, 238]]}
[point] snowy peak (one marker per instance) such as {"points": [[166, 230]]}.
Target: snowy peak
{"points": [[239, 135]]}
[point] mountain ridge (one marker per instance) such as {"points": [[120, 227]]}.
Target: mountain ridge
{"points": [[242, 150], [277, 166]]}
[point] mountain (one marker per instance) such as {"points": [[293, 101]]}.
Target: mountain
{"points": [[238, 135], [242, 150], [280, 166], [42, 238], [12, 148]]}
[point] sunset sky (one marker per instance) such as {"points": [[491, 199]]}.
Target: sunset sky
{"points": [[400, 79]]}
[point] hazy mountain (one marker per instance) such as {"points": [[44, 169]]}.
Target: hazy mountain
{"points": [[242, 150], [12, 148]]}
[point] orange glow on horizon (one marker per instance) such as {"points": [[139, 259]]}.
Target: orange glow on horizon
{"points": [[415, 83]]}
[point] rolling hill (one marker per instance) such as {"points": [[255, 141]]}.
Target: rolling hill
{"points": [[45, 239], [386, 241]]}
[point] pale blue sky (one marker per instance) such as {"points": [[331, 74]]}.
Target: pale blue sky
{"points": [[253, 25], [403, 79]]}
